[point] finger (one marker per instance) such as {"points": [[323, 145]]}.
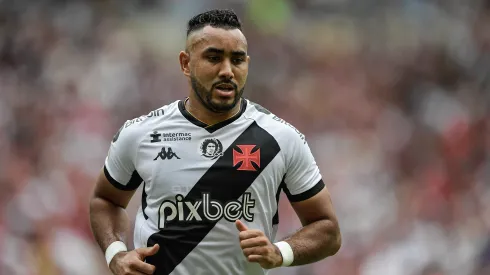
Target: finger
{"points": [[257, 259], [134, 272], [255, 251], [144, 267], [241, 226], [244, 235], [254, 242], [148, 251]]}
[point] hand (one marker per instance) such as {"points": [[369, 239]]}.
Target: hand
{"points": [[132, 262], [257, 248]]}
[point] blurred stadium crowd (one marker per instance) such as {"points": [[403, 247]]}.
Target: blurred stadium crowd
{"points": [[394, 97]]}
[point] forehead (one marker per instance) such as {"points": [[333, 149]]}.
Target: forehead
{"points": [[210, 37]]}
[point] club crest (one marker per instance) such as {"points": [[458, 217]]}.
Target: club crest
{"points": [[212, 148]]}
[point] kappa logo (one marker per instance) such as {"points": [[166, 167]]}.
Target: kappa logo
{"points": [[166, 154], [249, 161], [212, 148]]}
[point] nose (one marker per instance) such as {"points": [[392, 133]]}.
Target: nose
{"points": [[226, 71]]}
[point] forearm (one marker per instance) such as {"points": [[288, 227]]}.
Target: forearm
{"points": [[109, 222], [315, 242]]}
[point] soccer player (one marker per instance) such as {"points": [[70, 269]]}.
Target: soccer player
{"points": [[211, 215]]}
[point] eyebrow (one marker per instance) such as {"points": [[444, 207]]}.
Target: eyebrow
{"points": [[221, 51]]}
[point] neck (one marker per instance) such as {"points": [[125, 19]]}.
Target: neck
{"points": [[203, 114]]}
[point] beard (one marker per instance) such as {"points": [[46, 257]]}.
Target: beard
{"points": [[206, 96]]}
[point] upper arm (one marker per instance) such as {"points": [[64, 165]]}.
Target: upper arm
{"points": [[304, 186], [303, 179], [107, 191], [119, 179], [318, 207]]}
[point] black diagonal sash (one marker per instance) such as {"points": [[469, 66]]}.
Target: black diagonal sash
{"points": [[224, 183]]}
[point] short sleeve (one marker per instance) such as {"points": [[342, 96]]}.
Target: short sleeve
{"points": [[303, 179], [119, 166]]}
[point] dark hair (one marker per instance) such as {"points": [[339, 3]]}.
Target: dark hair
{"points": [[226, 19], [206, 143]]}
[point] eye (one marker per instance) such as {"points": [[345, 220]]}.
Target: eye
{"points": [[214, 58], [238, 61]]}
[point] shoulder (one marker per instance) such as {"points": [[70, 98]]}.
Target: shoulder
{"points": [[136, 127], [153, 116], [283, 131]]}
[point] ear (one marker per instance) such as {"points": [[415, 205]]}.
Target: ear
{"points": [[184, 59]]}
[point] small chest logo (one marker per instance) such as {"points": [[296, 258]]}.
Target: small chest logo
{"points": [[155, 137], [246, 158], [166, 154], [212, 148], [173, 136]]}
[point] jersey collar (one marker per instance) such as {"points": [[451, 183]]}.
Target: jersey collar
{"points": [[214, 127]]}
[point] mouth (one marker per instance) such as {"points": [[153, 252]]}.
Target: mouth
{"points": [[225, 90]]}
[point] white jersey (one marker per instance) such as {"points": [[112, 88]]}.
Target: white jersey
{"points": [[198, 180]]}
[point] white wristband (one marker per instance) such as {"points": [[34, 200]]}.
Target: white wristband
{"points": [[113, 249], [286, 252]]}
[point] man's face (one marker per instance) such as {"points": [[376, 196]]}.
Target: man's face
{"points": [[211, 148], [217, 66]]}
